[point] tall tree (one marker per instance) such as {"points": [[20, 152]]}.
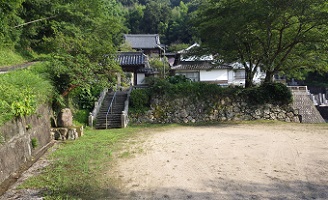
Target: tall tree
{"points": [[81, 36], [179, 29], [270, 34], [134, 18], [9, 18], [156, 16]]}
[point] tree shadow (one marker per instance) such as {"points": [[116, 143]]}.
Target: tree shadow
{"points": [[230, 189]]}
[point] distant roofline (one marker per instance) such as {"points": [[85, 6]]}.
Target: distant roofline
{"points": [[141, 35]]}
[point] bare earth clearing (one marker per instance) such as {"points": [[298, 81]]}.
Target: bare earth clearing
{"points": [[257, 161], [229, 161]]}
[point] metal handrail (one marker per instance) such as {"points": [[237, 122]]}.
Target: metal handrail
{"points": [[110, 108]]}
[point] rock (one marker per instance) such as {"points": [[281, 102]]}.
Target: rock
{"points": [[281, 116], [80, 131], [61, 133], [65, 118], [72, 134]]}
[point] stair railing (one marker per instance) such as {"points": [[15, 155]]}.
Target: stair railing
{"points": [[125, 112], [110, 108], [97, 106]]}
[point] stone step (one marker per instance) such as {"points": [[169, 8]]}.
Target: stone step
{"points": [[306, 108], [114, 119]]}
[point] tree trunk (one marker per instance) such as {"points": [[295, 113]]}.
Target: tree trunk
{"points": [[248, 78], [269, 77], [68, 90]]}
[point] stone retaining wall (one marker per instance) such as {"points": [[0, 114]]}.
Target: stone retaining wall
{"points": [[184, 110], [22, 139]]}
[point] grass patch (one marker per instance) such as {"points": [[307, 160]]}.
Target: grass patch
{"points": [[78, 167], [22, 91], [9, 57]]}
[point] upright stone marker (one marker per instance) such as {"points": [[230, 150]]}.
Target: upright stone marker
{"points": [[65, 118]]}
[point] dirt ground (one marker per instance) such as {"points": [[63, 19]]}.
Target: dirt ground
{"points": [[257, 161], [230, 161]]}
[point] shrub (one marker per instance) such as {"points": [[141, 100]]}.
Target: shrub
{"points": [[81, 116], [277, 93], [176, 87], [21, 92], [273, 93], [34, 143], [178, 79], [139, 99]]}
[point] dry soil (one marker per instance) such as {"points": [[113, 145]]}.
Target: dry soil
{"points": [[231, 161], [256, 161]]}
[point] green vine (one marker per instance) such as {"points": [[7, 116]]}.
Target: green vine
{"points": [[26, 104]]}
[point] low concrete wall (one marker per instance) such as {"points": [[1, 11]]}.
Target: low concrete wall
{"points": [[16, 148]]}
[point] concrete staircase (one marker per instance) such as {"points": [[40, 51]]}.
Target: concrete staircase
{"points": [[305, 105], [114, 115]]}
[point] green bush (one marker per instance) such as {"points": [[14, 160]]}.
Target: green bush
{"points": [[277, 93], [139, 100], [21, 92], [273, 93], [9, 57], [173, 88], [81, 116], [178, 79]]}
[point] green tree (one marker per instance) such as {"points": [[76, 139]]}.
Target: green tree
{"points": [[134, 18], [156, 16], [269, 34], [8, 20], [83, 44], [81, 36], [179, 29]]}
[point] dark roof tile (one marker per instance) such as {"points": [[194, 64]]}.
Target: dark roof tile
{"points": [[143, 41], [199, 65], [131, 58]]}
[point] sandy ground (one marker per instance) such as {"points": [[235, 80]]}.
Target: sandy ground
{"points": [[230, 161], [263, 161]]}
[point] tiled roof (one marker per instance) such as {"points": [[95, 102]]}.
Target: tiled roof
{"points": [[131, 58], [143, 41], [199, 65]]}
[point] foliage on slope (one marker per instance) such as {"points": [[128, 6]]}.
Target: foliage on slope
{"points": [[22, 91]]}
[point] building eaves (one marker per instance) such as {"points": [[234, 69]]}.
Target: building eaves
{"points": [[131, 58], [199, 66]]}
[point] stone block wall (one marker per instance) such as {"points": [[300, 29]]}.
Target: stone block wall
{"points": [[16, 138], [184, 110]]}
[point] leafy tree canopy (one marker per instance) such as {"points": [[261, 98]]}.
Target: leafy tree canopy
{"points": [[278, 36], [8, 19]]}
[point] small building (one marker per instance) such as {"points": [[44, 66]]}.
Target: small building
{"points": [[136, 64], [149, 44], [205, 69]]}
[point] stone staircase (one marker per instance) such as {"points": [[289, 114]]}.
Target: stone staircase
{"points": [[306, 107], [114, 116]]}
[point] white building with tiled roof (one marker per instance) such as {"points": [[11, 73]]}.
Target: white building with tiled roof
{"points": [[204, 69]]}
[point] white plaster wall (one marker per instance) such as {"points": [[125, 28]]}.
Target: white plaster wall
{"points": [[214, 75], [140, 78]]}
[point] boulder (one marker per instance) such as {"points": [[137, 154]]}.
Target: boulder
{"points": [[65, 118]]}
